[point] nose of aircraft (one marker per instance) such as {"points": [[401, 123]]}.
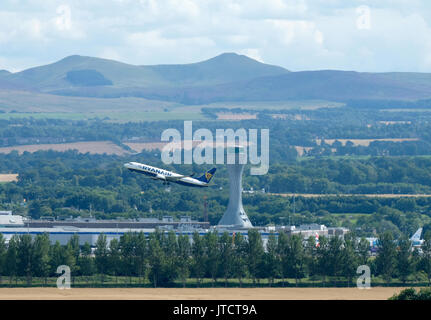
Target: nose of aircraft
{"points": [[127, 165]]}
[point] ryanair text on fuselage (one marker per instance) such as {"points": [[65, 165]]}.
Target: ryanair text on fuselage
{"points": [[168, 176]]}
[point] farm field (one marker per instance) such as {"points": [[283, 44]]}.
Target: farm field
{"points": [[92, 147], [25, 101], [129, 116], [236, 116], [8, 177], [364, 142], [376, 293], [311, 195]]}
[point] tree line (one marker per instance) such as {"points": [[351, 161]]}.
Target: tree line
{"points": [[164, 259], [294, 128]]}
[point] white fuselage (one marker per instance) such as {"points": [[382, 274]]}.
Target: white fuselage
{"points": [[164, 175]]}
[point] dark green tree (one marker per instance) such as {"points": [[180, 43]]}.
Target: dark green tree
{"points": [[271, 259], [114, 258], [25, 249], [56, 257], [404, 264], [127, 246], [102, 256], [386, 257], [226, 256], [350, 257], [141, 251], [283, 252], [40, 257], [335, 257], [72, 252], [363, 251], [170, 249], [12, 258], [199, 257], [156, 259], [255, 253], [212, 255], [323, 264], [184, 258], [295, 258], [3, 253], [86, 264], [239, 260]]}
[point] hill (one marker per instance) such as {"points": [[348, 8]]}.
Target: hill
{"points": [[4, 73], [328, 85], [340, 86], [228, 77], [224, 68]]}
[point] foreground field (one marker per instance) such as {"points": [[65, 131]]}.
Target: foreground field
{"points": [[378, 293]]}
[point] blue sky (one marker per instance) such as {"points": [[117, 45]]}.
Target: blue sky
{"points": [[377, 36]]}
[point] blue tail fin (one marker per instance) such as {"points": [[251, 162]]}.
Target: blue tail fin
{"points": [[207, 176], [417, 235]]}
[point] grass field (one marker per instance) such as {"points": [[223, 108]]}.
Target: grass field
{"points": [[93, 147], [109, 116], [312, 195], [270, 105], [236, 116], [364, 142], [8, 177], [376, 293]]}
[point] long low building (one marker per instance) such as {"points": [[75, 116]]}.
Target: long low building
{"points": [[89, 231], [142, 223], [90, 235]]}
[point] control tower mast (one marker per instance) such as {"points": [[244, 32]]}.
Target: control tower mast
{"points": [[235, 214]]}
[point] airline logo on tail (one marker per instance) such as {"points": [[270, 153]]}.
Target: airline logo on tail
{"points": [[207, 176]]}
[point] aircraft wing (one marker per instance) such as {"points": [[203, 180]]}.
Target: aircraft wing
{"points": [[178, 177], [159, 177]]}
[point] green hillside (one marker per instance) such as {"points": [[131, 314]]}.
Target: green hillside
{"points": [[327, 85], [228, 77], [4, 73], [228, 67]]}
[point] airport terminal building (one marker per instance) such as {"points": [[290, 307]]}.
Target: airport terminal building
{"points": [[89, 230]]}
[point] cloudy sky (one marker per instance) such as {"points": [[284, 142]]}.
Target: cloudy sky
{"points": [[362, 35]]}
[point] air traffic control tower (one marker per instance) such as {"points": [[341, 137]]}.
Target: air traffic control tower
{"points": [[235, 215]]}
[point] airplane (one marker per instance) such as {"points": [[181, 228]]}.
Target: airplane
{"points": [[415, 240], [168, 176]]}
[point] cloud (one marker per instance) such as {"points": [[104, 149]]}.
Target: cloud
{"points": [[252, 53], [63, 21], [296, 34]]}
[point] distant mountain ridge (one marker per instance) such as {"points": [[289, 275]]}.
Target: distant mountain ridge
{"points": [[224, 68], [226, 77]]}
